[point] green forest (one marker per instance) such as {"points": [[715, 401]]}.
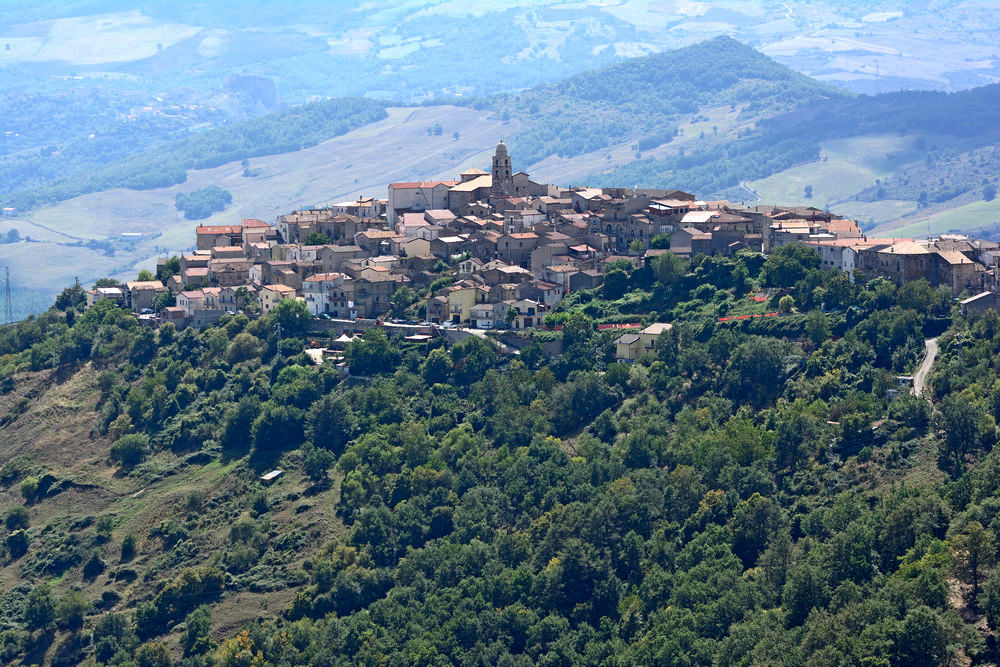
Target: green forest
{"points": [[200, 204], [749, 491]]}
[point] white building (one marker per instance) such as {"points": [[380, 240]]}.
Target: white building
{"points": [[330, 294]]}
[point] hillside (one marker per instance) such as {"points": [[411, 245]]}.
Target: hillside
{"points": [[643, 98], [744, 493]]}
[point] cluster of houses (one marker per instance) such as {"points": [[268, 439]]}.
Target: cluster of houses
{"points": [[512, 248]]}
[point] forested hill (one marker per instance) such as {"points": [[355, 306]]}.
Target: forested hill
{"points": [[80, 169], [971, 118], [642, 98], [747, 492]]}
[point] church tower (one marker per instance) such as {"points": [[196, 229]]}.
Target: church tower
{"points": [[503, 177]]}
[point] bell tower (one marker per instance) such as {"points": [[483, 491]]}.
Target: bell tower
{"points": [[503, 177]]}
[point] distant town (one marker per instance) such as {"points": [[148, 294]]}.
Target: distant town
{"points": [[499, 251]]}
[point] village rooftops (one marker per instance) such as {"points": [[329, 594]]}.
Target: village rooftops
{"points": [[378, 234], [524, 235], [419, 185], [324, 277], [698, 217], [254, 223], [485, 181], [954, 257], [589, 193], [213, 230], [144, 284], [281, 289]]}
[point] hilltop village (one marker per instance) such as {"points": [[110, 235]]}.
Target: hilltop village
{"points": [[498, 250]]}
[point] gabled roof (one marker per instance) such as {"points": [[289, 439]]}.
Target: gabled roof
{"points": [[220, 229], [417, 185]]}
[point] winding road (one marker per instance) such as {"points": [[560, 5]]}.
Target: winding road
{"points": [[921, 375]]}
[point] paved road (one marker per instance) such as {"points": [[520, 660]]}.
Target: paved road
{"points": [[918, 378]]}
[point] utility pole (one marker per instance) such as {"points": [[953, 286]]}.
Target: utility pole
{"points": [[8, 310]]}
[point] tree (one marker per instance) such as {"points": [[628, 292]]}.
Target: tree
{"points": [[989, 192], [817, 327], [170, 267], [615, 284], [754, 522], [402, 299], [786, 303], [292, 316], [755, 370], [146, 275], [238, 422], [17, 517], [371, 355], [316, 463], [130, 450], [437, 367], [196, 639], [789, 264], [966, 428], [153, 654], [17, 543], [29, 489], [805, 589], [39, 609], [973, 550], [330, 423], [70, 610], [668, 269], [277, 427], [660, 242], [923, 639], [315, 238]]}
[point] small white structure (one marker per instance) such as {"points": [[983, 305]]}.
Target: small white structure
{"points": [[271, 476]]}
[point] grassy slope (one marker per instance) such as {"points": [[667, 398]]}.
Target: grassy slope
{"points": [[53, 435]]}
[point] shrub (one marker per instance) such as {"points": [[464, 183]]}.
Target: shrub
{"points": [[17, 517], [70, 611], [130, 450], [128, 547], [17, 543], [29, 489]]}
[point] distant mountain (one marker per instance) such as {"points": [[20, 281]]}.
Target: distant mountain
{"points": [[643, 99], [971, 119]]}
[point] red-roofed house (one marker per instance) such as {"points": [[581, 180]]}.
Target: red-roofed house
{"points": [[417, 196]]}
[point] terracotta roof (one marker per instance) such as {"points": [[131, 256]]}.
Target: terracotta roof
{"points": [[220, 229], [322, 277], [254, 222], [278, 287]]}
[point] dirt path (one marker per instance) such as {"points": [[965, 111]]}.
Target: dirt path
{"points": [[921, 375]]}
